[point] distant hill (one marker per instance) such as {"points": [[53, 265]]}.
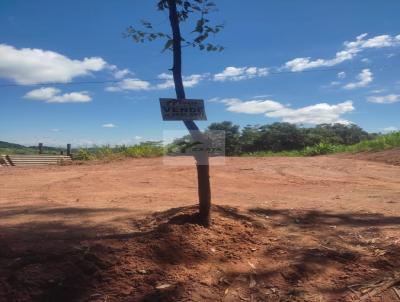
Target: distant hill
{"points": [[10, 145], [11, 148]]}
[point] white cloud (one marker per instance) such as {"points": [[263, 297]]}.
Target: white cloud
{"points": [[261, 96], [366, 60], [341, 75], [138, 138], [228, 74], [376, 42], [251, 107], [390, 129], [168, 82], [119, 74], [192, 80], [130, 84], [32, 66], [377, 90], [55, 130], [313, 114], [43, 93], [215, 100], [384, 99], [240, 73], [53, 95], [364, 78], [300, 64], [108, 125], [188, 81], [351, 49]]}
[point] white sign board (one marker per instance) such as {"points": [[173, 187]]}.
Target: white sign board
{"points": [[182, 110]]}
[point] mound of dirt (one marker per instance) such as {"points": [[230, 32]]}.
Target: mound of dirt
{"points": [[391, 156], [257, 255]]}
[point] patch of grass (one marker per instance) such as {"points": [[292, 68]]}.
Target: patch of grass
{"points": [[83, 154], [382, 142], [147, 149], [292, 153], [318, 149], [144, 151], [322, 149]]}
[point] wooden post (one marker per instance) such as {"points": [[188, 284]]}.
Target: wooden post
{"points": [[68, 149], [40, 148], [202, 165]]}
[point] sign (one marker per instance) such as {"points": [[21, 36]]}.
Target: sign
{"points": [[182, 110]]}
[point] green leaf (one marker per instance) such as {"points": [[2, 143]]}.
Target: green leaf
{"points": [[199, 25], [146, 24], [167, 45]]}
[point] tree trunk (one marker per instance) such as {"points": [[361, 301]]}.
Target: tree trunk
{"points": [[202, 162]]}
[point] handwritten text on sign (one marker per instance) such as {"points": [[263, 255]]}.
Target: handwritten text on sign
{"points": [[182, 110]]}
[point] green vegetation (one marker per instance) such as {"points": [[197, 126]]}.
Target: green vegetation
{"points": [[285, 139], [10, 145], [145, 149], [381, 142], [319, 149], [278, 139], [10, 148]]}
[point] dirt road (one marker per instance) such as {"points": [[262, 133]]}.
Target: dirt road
{"points": [[337, 196], [103, 192]]}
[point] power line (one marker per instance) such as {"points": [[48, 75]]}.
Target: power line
{"points": [[162, 80], [76, 83], [60, 83]]}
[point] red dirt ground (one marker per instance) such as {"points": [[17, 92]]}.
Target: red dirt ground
{"points": [[284, 229], [391, 156]]}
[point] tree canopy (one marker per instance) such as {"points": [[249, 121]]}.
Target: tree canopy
{"points": [[277, 137], [202, 28]]}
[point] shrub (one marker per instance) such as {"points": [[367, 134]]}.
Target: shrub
{"points": [[83, 154], [319, 149], [147, 149], [144, 150], [383, 142], [107, 153]]}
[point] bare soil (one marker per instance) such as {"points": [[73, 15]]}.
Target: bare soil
{"points": [[284, 229], [391, 156]]}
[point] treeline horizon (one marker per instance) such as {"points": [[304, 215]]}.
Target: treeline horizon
{"points": [[274, 138], [281, 136]]}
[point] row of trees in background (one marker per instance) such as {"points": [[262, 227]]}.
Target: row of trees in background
{"points": [[268, 139], [278, 137]]}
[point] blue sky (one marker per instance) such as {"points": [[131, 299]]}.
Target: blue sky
{"points": [[305, 62]]}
